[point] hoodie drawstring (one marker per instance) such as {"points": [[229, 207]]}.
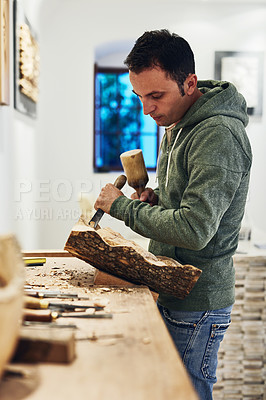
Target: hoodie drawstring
{"points": [[169, 158], [158, 159], [168, 164]]}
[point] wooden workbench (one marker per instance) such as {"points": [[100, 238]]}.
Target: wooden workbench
{"points": [[128, 357]]}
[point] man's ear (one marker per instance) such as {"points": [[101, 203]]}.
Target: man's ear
{"points": [[190, 84]]}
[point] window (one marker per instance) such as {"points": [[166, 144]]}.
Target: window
{"points": [[119, 122]]}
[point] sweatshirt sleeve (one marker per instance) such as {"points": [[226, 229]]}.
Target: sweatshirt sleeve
{"points": [[195, 222]]}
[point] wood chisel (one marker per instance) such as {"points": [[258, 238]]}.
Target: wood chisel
{"points": [[50, 316], [53, 294], [119, 183], [40, 324], [33, 303]]}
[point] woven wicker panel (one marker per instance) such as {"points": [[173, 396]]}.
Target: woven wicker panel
{"points": [[241, 369]]}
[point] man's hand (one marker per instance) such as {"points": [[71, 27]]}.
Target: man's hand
{"points": [[147, 195], [108, 195]]}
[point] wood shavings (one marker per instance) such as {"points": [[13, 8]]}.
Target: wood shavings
{"points": [[89, 311], [146, 340], [86, 206], [99, 302]]}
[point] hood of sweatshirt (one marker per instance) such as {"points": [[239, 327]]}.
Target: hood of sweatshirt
{"points": [[220, 98]]}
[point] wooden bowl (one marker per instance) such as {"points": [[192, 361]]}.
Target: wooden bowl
{"points": [[11, 297]]}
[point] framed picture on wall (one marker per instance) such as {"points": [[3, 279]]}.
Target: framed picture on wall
{"points": [[4, 52], [245, 71], [26, 64]]}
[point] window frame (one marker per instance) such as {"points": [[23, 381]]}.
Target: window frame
{"points": [[114, 70]]}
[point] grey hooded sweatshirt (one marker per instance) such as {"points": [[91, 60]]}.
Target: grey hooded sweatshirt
{"points": [[203, 179]]}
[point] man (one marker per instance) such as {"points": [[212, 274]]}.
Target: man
{"points": [[194, 214]]}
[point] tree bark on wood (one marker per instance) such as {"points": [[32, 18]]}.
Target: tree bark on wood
{"points": [[108, 251]]}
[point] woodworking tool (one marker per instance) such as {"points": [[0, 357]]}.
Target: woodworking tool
{"points": [[119, 183], [41, 293], [35, 285], [39, 324], [135, 169], [53, 294], [50, 316], [34, 262], [94, 337], [31, 302]]}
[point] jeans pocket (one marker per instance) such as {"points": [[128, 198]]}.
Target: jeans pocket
{"points": [[182, 326], [176, 319], [210, 360]]}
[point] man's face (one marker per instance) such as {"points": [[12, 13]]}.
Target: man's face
{"points": [[160, 96]]}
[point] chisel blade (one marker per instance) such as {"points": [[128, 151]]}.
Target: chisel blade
{"points": [[98, 316], [96, 218]]}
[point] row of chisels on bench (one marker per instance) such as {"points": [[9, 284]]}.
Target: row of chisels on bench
{"points": [[43, 310]]}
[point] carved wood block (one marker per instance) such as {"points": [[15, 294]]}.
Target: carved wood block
{"points": [[108, 251]]}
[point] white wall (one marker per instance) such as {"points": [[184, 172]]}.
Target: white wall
{"points": [[24, 152], [17, 149], [6, 173], [70, 33]]}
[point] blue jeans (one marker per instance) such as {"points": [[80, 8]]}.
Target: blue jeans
{"points": [[197, 336]]}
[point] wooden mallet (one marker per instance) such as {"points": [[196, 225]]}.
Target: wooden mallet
{"points": [[135, 169]]}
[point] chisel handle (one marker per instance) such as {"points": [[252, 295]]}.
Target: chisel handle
{"points": [[32, 302], [120, 181], [39, 315]]}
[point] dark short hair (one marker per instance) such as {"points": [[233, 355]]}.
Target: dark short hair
{"points": [[167, 50]]}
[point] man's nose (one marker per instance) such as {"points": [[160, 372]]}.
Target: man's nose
{"points": [[148, 107]]}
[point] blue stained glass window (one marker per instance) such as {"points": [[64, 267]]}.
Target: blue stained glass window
{"points": [[119, 122]]}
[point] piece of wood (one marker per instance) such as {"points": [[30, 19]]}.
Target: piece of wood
{"points": [[46, 253], [108, 251], [44, 344], [11, 296], [104, 279]]}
